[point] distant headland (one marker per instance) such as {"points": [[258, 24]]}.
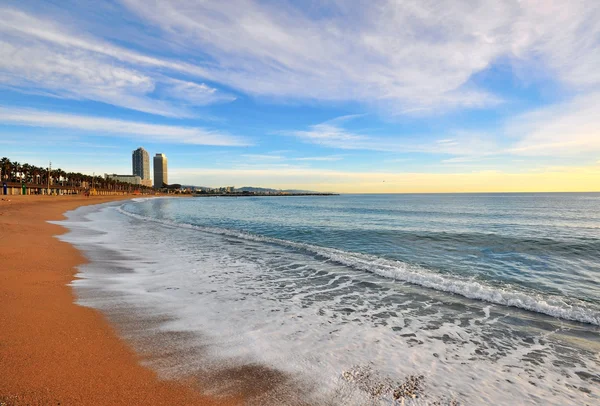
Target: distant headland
{"points": [[246, 191]]}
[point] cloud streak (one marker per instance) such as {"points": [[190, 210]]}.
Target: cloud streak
{"points": [[330, 134], [271, 157], [329, 158], [567, 129], [99, 126], [410, 58], [37, 56]]}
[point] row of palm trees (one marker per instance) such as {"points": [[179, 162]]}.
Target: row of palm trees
{"points": [[12, 171]]}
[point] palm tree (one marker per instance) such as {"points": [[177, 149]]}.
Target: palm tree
{"points": [[63, 175], [26, 172], [14, 169], [5, 166]]}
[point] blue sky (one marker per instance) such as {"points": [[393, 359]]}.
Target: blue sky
{"points": [[380, 96]]}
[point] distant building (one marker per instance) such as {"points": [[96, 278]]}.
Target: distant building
{"points": [[133, 179], [140, 160], [160, 170], [230, 189]]}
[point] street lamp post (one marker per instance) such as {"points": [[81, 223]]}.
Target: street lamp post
{"points": [[49, 170]]}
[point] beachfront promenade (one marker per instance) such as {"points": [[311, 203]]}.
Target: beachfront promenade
{"points": [[18, 178], [17, 188]]}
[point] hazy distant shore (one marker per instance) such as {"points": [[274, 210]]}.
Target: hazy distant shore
{"points": [[263, 194]]}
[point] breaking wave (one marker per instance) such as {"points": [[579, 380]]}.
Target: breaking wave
{"points": [[555, 306]]}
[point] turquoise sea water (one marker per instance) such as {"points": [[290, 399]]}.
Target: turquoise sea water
{"points": [[490, 297], [540, 245]]}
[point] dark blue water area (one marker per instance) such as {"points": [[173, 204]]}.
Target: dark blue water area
{"points": [[546, 243]]}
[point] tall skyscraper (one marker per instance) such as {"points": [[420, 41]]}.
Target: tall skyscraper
{"points": [[140, 160], [160, 170]]}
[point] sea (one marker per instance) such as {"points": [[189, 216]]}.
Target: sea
{"points": [[412, 299]]}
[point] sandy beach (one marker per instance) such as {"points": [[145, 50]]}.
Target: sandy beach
{"points": [[53, 351]]}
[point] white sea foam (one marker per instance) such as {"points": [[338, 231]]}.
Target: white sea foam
{"points": [[252, 300], [554, 306]]}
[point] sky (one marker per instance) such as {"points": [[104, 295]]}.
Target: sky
{"points": [[346, 96]]}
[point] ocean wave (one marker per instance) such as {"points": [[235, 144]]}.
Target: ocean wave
{"points": [[511, 296]]}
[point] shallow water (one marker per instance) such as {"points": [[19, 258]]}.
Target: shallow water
{"points": [[490, 298]]}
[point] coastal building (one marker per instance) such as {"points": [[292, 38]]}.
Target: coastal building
{"points": [[160, 171], [140, 160], [133, 179]]}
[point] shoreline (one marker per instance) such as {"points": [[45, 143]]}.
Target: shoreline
{"points": [[52, 350]]}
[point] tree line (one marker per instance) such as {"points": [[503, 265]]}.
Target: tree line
{"points": [[17, 172]]}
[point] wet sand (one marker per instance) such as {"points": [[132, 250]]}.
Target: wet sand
{"points": [[52, 351]]}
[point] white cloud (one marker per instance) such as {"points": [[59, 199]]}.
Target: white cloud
{"points": [[98, 126], [262, 157], [332, 136], [194, 93], [26, 28], [79, 76], [567, 129], [375, 54], [335, 136], [39, 57], [319, 158], [396, 160], [459, 160], [277, 157], [410, 57], [570, 128], [564, 36]]}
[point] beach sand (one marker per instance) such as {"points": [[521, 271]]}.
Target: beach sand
{"points": [[52, 351]]}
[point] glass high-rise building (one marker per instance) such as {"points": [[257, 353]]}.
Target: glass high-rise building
{"points": [[160, 170], [140, 160]]}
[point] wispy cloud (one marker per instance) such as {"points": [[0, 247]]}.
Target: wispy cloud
{"points": [[413, 58], [335, 136], [320, 158], [409, 59], [331, 136], [459, 160], [378, 54], [569, 128], [99, 126], [193, 93], [262, 157], [396, 160], [38, 56], [279, 157]]}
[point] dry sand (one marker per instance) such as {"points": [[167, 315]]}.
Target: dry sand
{"points": [[52, 351]]}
